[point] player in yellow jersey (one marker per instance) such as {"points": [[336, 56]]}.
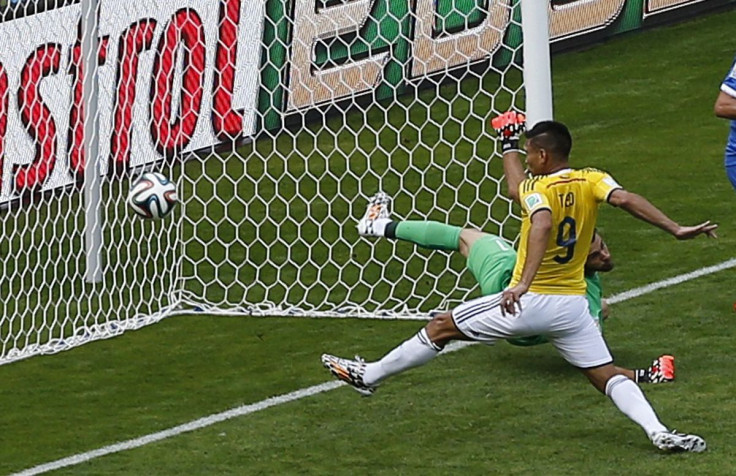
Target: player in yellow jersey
{"points": [[547, 293], [491, 260]]}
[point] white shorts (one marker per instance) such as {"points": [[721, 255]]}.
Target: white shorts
{"points": [[564, 320]]}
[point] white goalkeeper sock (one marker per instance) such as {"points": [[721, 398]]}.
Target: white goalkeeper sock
{"points": [[629, 398], [416, 351]]}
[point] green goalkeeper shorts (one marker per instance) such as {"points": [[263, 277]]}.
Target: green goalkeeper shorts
{"points": [[492, 260]]}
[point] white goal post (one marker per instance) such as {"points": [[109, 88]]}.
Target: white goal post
{"points": [[277, 119]]}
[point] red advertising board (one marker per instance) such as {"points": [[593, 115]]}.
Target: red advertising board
{"points": [[173, 77]]}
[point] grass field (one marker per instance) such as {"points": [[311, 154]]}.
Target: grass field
{"points": [[640, 107]]}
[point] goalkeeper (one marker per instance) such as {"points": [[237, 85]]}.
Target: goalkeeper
{"points": [[491, 260]]}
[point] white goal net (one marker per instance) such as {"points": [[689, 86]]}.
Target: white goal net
{"points": [[277, 119]]}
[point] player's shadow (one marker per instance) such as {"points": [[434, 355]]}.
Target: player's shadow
{"points": [[532, 362], [543, 361]]}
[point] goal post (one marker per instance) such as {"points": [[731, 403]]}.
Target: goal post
{"points": [[277, 119], [537, 64]]}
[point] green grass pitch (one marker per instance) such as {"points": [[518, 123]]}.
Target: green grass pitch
{"points": [[640, 107]]}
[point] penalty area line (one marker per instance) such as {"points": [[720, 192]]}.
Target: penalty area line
{"points": [[316, 389]]}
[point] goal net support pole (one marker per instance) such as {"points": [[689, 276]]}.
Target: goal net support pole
{"points": [[92, 179]]}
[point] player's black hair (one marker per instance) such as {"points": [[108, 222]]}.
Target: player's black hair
{"points": [[552, 136]]}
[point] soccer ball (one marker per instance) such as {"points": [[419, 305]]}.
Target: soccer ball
{"points": [[152, 195]]}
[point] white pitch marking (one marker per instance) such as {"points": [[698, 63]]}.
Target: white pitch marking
{"points": [[323, 387], [636, 292], [177, 430]]}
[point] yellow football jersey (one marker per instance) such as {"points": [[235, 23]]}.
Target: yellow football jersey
{"points": [[572, 196]]}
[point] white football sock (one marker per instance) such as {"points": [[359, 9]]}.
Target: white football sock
{"points": [[629, 398], [416, 351]]}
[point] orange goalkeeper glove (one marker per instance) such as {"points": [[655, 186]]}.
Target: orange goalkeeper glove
{"points": [[509, 126]]}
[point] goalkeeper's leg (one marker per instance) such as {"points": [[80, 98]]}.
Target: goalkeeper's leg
{"points": [[376, 222], [427, 234]]}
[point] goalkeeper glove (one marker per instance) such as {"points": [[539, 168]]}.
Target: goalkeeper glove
{"points": [[509, 127], [662, 370]]}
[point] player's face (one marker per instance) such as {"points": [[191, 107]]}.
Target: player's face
{"points": [[599, 258], [536, 158]]}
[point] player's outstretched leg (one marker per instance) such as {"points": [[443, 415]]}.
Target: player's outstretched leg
{"points": [[678, 442], [413, 352], [629, 398], [349, 371], [376, 217], [662, 370]]}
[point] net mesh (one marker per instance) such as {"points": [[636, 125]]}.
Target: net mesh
{"points": [[277, 120]]}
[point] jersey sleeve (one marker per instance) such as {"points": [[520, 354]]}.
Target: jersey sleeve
{"points": [[729, 84], [532, 197], [603, 184]]}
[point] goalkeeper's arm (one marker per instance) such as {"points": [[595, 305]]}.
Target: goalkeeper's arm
{"points": [[509, 127]]}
